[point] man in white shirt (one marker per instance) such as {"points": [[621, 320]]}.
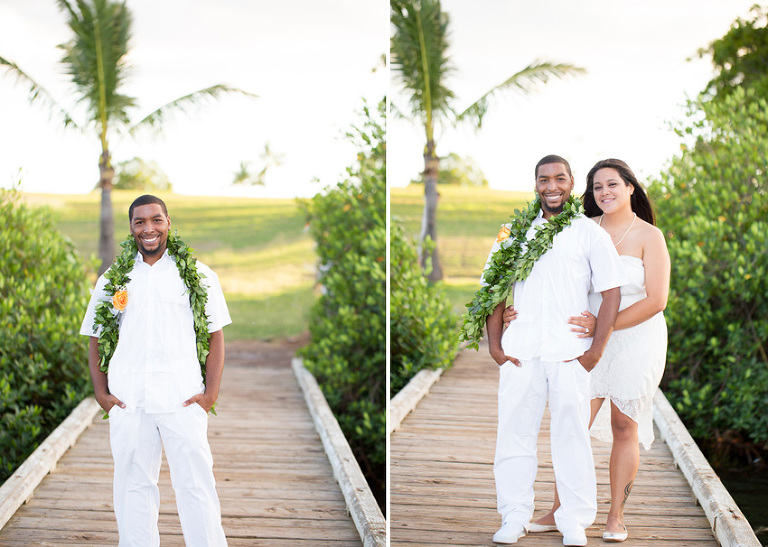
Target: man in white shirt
{"points": [[540, 358], [154, 391]]}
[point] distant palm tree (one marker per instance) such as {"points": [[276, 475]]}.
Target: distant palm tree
{"points": [[95, 60], [421, 64], [269, 159]]}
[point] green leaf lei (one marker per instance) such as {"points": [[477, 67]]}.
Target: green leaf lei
{"points": [[108, 318], [510, 263]]}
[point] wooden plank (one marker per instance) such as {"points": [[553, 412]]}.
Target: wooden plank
{"points": [[408, 397], [326, 529], [18, 488], [274, 480], [362, 505], [45, 537], [441, 474]]}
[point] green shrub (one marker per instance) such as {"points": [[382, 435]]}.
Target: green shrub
{"points": [[423, 330], [712, 205], [43, 359], [137, 174], [347, 350]]}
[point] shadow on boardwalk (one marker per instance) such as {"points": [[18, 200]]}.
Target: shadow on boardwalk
{"points": [[274, 480], [442, 490]]}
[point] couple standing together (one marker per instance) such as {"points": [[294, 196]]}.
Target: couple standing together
{"points": [[606, 270]]}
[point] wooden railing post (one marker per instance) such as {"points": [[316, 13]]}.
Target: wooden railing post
{"points": [[18, 488], [361, 504], [728, 523]]}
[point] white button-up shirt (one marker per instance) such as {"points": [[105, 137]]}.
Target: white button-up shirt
{"points": [[582, 255], [155, 364]]}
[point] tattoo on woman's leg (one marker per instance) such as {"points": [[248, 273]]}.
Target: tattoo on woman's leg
{"points": [[627, 490]]}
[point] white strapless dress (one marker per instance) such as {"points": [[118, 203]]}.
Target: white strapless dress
{"points": [[632, 364]]}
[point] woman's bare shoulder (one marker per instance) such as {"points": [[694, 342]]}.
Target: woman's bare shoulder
{"points": [[648, 229], [652, 238]]}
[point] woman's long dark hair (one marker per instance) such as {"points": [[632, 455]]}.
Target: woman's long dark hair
{"points": [[639, 199]]}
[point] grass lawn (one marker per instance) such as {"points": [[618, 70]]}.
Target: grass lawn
{"points": [[258, 247], [468, 220]]}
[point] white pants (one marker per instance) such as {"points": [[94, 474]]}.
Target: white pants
{"points": [[137, 439], [523, 395]]}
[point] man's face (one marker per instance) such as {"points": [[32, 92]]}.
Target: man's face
{"points": [[553, 186], [149, 227]]}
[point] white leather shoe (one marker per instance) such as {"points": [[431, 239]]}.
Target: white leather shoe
{"points": [[509, 533], [576, 538], [615, 537], [536, 528]]}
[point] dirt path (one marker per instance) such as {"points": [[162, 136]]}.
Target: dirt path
{"points": [[261, 352]]}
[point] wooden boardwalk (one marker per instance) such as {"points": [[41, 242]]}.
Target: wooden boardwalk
{"points": [[441, 474], [273, 477]]}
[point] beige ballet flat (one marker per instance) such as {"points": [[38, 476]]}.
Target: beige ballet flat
{"points": [[615, 537]]}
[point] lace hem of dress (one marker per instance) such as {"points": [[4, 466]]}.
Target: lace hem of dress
{"points": [[639, 410], [630, 407]]}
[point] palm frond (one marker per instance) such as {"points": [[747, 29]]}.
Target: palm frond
{"points": [[155, 119], [419, 56], [396, 112], [243, 174], [526, 81], [36, 92], [95, 58]]}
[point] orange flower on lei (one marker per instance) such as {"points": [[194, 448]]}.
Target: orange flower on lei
{"points": [[503, 234], [120, 300]]}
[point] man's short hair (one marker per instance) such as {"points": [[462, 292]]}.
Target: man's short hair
{"points": [[146, 199], [553, 158]]}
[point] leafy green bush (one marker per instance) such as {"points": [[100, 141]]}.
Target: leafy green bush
{"points": [[43, 360], [712, 204], [456, 170], [423, 330], [137, 174], [347, 350]]}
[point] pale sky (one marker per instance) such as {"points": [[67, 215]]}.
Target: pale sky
{"points": [[635, 53], [311, 63]]}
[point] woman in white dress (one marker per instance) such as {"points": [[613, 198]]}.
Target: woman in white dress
{"points": [[633, 362]]}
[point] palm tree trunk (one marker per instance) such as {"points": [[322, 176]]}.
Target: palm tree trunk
{"points": [[429, 219], [106, 224]]}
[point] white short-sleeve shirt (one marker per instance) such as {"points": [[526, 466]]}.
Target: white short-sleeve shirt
{"points": [[582, 256], [155, 363]]}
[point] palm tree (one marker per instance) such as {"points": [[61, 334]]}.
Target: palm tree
{"points": [[95, 60], [268, 158], [421, 64]]}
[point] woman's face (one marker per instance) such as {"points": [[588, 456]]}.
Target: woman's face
{"points": [[611, 192]]}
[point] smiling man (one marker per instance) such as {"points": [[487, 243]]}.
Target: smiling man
{"points": [[154, 391], [541, 359]]}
